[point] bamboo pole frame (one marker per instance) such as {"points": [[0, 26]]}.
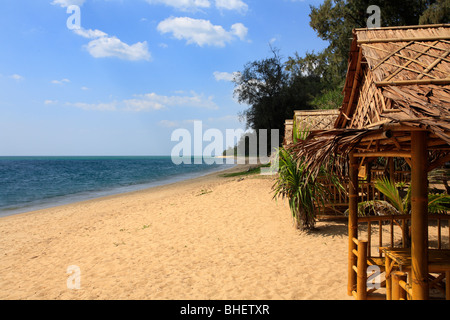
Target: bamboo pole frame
{"points": [[447, 285], [398, 293], [386, 154], [352, 220], [406, 39], [361, 284], [412, 82], [423, 26], [419, 216]]}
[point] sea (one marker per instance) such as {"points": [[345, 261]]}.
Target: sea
{"points": [[33, 183]]}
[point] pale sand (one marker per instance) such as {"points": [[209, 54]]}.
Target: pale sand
{"points": [[208, 238]]}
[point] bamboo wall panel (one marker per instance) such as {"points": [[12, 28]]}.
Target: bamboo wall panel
{"points": [[315, 119]]}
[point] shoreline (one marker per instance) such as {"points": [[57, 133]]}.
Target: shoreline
{"points": [[207, 238], [49, 203]]}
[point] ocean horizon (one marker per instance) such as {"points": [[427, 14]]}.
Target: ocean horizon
{"points": [[29, 183]]}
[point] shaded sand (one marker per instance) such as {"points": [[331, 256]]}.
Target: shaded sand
{"points": [[207, 238]]}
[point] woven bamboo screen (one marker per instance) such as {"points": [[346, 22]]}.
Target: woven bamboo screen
{"points": [[316, 119], [288, 130]]}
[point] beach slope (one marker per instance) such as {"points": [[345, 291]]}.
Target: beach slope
{"points": [[207, 238]]}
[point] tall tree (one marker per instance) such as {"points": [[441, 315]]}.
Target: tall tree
{"points": [[273, 92]]}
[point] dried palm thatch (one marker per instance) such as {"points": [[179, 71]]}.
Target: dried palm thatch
{"points": [[398, 80], [328, 149]]}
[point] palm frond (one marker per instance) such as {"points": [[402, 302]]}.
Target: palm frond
{"points": [[438, 203], [389, 189]]}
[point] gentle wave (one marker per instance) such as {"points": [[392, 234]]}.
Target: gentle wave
{"points": [[32, 183]]}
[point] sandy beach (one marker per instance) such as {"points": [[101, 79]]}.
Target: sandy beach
{"points": [[207, 238]]}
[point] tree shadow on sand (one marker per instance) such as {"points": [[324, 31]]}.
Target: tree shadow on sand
{"points": [[327, 229]]}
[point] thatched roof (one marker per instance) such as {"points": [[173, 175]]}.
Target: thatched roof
{"points": [[398, 80], [416, 59]]}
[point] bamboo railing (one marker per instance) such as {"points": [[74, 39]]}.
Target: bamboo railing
{"points": [[336, 201], [402, 222], [365, 256]]}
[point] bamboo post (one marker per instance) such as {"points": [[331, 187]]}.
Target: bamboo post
{"points": [[391, 170], [388, 278], [439, 233], [380, 236], [447, 285], [419, 216], [398, 293], [369, 237], [361, 284], [352, 220], [392, 232], [403, 233]]}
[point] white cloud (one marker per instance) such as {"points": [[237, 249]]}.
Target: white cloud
{"points": [[201, 32], [237, 5], [183, 4], [195, 5], [90, 34], [111, 106], [60, 81], [225, 76], [148, 102], [66, 3], [84, 88], [17, 77], [169, 124], [239, 30], [153, 101], [104, 46], [112, 47]]}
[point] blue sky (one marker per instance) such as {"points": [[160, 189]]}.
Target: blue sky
{"points": [[135, 70]]}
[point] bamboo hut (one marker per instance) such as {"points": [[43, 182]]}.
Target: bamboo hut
{"points": [[396, 105]]}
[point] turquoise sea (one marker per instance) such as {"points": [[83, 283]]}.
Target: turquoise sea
{"points": [[30, 183]]}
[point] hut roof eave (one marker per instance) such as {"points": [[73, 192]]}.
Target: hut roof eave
{"points": [[330, 148]]}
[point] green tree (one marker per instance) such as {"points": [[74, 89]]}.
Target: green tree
{"points": [[273, 93], [259, 85], [438, 12]]}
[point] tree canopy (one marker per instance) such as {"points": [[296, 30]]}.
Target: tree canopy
{"points": [[274, 88]]}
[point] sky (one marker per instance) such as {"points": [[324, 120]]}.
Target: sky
{"points": [[118, 77]]}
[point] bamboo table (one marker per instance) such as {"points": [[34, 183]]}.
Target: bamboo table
{"points": [[438, 262]]}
